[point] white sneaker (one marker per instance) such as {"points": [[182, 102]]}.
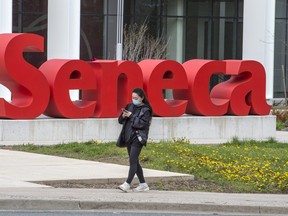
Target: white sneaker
{"points": [[142, 187], [124, 187]]}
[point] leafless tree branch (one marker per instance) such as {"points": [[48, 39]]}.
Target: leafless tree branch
{"points": [[139, 44]]}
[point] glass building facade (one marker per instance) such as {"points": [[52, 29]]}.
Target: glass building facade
{"points": [[281, 45], [31, 16], [206, 29], [210, 29]]}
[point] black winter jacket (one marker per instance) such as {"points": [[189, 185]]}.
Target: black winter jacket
{"points": [[137, 124]]}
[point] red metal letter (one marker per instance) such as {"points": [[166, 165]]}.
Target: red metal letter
{"points": [[65, 75], [115, 81], [164, 74], [199, 73], [28, 86], [246, 88]]}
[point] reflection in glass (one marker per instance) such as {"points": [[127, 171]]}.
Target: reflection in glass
{"points": [[30, 16]]}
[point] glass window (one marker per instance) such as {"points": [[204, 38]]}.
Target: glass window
{"points": [[280, 56], [129, 8], [92, 29], [199, 8], [197, 38], [145, 11], [111, 7], [35, 6], [224, 8], [209, 28], [239, 36], [240, 8], [31, 6], [173, 8], [223, 39], [91, 42], [280, 48], [281, 9], [147, 8], [31, 16], [93, 7], [110, 40], [215, 37], [153, 13]]}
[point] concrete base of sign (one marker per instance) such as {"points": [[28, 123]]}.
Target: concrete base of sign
{"points": [[197, 129]]}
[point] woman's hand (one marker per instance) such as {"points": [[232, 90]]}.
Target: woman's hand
{"points": [[126, 113]]}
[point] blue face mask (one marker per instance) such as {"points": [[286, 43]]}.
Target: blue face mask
{"points": [[136, 102]]}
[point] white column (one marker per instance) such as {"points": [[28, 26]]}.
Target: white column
{"points": [[175, 31], [5, 16], [258, 36], [5, 27], [119, 45], [64, 31]]}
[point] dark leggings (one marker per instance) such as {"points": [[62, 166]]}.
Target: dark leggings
{"points": [[135, 168]]}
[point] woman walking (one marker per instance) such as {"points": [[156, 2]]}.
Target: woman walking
{"points": [[136, 119]]}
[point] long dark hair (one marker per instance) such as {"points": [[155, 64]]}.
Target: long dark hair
{"points": [[141, 93]]}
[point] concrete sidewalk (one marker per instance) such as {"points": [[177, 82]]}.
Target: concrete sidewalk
{"points": [[282, 136], [18, 171], [112, 199]]}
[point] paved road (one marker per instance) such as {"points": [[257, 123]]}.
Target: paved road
{"points": [[90, 213]]}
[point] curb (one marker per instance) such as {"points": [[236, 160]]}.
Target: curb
{"points": [[114, 180], [22, 204]]}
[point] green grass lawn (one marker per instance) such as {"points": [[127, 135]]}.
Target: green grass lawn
{"points": [[246, 166]]}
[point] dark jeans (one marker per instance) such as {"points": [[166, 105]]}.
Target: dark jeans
{"points": [[134, 150]]}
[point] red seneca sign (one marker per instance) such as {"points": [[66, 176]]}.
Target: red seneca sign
{"points": [[106, 85]]}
